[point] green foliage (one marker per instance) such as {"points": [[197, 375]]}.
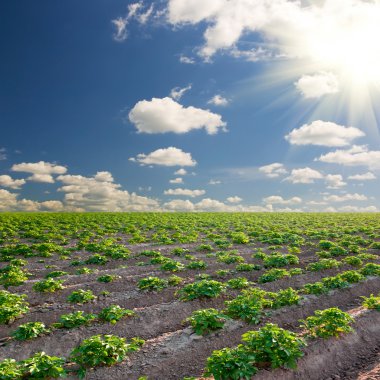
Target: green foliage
{"points": [[323, 264], [231, 364], [273, 275], [205, 247], [353, 261], [197, 264], [274, 345], [57, 273], [76, 319], [152, 283], [239, 238], [12, 306], [248, 306], [285, 297], [12, 275], [84, 270], [10, 370], [295, 271], [174, 280], [327, 323], [114, 313], [42, 366], [100, 350], [206, 320], [48, 286], [244, 267], [238, 283], [201, 289], [97, 259], [229, 257], [316, 288], [81, 296], [108, 278], [334, 282], [172, 266], [370, 269], [278, 260], [29, 330], [351, 276], [372, 302]]}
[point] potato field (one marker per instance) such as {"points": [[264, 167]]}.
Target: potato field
{"points": [[189, 296]]}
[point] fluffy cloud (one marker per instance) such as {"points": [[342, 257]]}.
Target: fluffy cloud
{"points": [[334, 181], [179, 205], [178, 180], [358, 209], [41, 171], [355, 156], [304, 175], [166, 115], [165, 157], [362, 177], [181, 171], [3, 154], [100, 193], [8, 181], [177, 92], [186, 60], [185, 192], [345, 198], [214, 182], [323, 133], [317, 85], [276, 199], [234, 199], [273, 170], [218, 100]]}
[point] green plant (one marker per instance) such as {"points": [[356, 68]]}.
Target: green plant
{"points": [[285, 297], [174, 280], [327, 323], [206, 320], [97, 259], [323, 264], [351, 276], [84, 270], [29, 330], [316, 288], [48, 286], [12, 306], [239, 238], [238, 283], [201, 289], [230, 258], [76, 319], [353, 260], [102, 350], [370, 269], [81, 296], [279, 260], [248, 306], [295, 271], [231, 364], [152, 283], [42, 366], [371, 302], [273, 275], [57, 273], [108, 278], [197, 264], [12, 276], [172, 266], [274, 345], [335, 282], [114, 313], [10, 370], [245, 267]]}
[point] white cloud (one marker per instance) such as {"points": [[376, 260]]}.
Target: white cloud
{"points": [[317, 85], [218, 100], [179, 205], [166, 115], [177, 92], [99, 193], [181, 171], [178, 180], [3, 154], [165, 157], [355, 156], [234, 199], [52, 206], [362, 177], [40, 167], [334, 181], [8, 181], [358, 209], [186, 60], [323, 133], [276, 199], [214, 182], [43, 178], [185, 192], [273, 170], [304, 175], [120, 24], [345, 198]]}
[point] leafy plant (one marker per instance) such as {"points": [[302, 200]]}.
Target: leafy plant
{"points": [[245, 267], [274, 345], [327, 323], [10, 370], [316, 288], [238, 283], [42, 366], [76, 319], [152, 283], [12, 306], [231, 364], [201, 289], [174, 280], [371, 302], [108, 278], [81, 296], [197, 264], [172, 266], [29, 330], [12, 276], [206, 320], [114, 313], [97, 259], [323, 264], [273, 275], [285, 297], [279, 260], [48, 286], [370, 269], [57, 273]]}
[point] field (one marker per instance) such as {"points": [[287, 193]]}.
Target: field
{"points": [[192, 295]]}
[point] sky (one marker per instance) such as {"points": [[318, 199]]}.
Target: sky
{"points": [[201, 105]]}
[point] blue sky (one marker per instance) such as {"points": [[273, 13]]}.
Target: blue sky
{"points": [[209, 105]]}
